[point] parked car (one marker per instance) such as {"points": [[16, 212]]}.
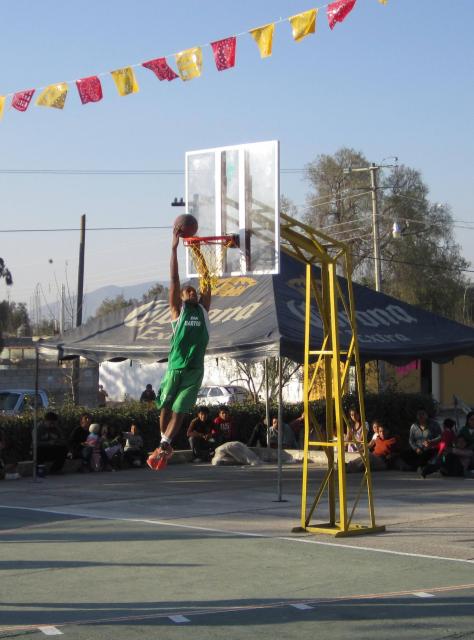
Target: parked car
{"points": [[228, 394], [13, 402]]}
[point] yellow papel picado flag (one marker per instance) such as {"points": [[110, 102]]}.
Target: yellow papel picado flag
{"points": [[2, 105], [263, 36], [303, 24], [125, 81], [189, 63], [53, 96]]}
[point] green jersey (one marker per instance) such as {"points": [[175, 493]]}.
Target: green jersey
{"points": [[190, 338]]}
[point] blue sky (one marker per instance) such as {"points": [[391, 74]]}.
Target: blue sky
{"points": [[390, 80]]}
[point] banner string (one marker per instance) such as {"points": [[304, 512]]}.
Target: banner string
{"points": [[104, 74]]}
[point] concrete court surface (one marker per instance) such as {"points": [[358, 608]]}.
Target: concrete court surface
{"points": [[206, 552]]}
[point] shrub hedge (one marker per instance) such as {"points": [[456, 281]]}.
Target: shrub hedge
{"points": [[396, 410]]}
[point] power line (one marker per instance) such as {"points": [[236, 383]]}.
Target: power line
{"points": [[78, 229], [416, 264], [110, 172]]}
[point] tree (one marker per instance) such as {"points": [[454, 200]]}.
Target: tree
{"points": [[425, 265], [252, 375], [46, 328], [156, 291], [113, 304], [13, 316], [4, 273]]}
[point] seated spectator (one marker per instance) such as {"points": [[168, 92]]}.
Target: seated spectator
{"points": [[457, 460], [3, 444], [444, 446], [384, 450], [297, 427], [288, 437], [200, 436], [467, 432], [375, 434], [78, 436], [134, 452], [9, 456], [425, 435], [91, 449], [148, 395], [111, 449], [224, 429], [355, 431], [51, 445], [258, 435]]}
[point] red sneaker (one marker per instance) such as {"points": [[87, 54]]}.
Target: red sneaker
{"points": [[158, 460]]}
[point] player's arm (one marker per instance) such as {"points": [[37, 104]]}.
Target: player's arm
{"points": [[175, 286]]}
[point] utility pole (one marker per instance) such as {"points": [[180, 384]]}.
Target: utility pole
{"points": [[375, 226], [80, 276], [374, 169], [61, 309], [79, 304]]}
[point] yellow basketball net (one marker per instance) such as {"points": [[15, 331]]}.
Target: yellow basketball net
{"points": [[208, 255]]}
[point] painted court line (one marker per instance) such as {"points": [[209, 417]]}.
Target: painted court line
{"points": [[308, 604], [231, 532], [179, 619], [423, 594], [375, 550], [50, 631]]}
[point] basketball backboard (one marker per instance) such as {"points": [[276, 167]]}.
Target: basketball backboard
{"points": [[235, 191]]}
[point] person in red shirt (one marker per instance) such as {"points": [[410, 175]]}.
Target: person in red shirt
{"points": [[383, 449], [224, 429]]}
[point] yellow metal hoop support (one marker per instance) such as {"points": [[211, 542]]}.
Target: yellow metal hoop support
{"points": [[326, 300]]}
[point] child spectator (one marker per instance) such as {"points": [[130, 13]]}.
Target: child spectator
{"points": [[200, 436], [384, 450], [224, 429], [134, 452], [91, 450], [375, 434]]}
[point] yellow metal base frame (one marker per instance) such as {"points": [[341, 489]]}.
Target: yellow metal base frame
{"points": [[329, 304], [337, 532]]}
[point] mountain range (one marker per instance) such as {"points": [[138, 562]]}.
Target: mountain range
{"points": [[93, 299]]}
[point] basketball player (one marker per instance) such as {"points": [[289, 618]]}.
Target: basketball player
{"points": [[182, 381]]}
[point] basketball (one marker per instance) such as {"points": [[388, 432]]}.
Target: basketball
{"points": [[187, 225]]}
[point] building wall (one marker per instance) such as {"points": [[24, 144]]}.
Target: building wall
{"points": [[54, 379], [457, 378], [129, 378]]}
